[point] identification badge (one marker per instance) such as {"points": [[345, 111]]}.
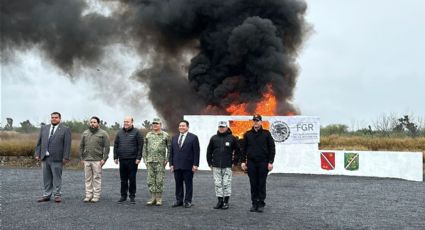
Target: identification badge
{"points": [[227, 144]]}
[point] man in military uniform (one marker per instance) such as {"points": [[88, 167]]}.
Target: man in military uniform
{"points": [[155, 154]]}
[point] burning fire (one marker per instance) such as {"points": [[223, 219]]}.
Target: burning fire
{"points": [[267, 106], [240, 127]]}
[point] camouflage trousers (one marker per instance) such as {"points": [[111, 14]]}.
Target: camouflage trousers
{"points": [[155, 179], [222, 181]]}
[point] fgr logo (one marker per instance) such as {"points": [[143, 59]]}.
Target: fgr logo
{"points": [[280, 131], [305, 127]]}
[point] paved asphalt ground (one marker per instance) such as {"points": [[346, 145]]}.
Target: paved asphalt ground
{"points": [[293, 202]]}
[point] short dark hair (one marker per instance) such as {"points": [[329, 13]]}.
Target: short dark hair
{"points": [[187, 123], [96, 118], [56, 113]]}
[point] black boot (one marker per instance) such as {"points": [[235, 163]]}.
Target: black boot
{"points": [[219, 203], [225, 203]]}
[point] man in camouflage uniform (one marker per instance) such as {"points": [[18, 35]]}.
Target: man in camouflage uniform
{"points": [[155, 154]]}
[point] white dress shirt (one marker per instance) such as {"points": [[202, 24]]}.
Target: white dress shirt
{"points": [[184, 138], [51, 134]]}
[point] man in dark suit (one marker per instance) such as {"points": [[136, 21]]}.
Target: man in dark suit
{"points": [[184, 162], [53, 149]]}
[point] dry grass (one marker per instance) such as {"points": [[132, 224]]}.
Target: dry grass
{"points": [[23, 144], [19, 144], [336, 142]]}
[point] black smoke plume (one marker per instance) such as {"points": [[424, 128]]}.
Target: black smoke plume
{"points": [[58, 27], [204, 53]]}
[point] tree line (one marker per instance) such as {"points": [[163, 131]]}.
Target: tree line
{"points": [[75, 126], [384, 126]]}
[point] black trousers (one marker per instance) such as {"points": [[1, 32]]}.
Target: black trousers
{"points": [[257, 173], [128, 171], [185, 176]]}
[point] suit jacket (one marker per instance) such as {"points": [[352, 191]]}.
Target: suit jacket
{"points": [[60, 144], [186, 156]]}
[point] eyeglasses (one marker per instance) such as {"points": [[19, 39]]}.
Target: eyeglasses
{"points": [[155, 123]]}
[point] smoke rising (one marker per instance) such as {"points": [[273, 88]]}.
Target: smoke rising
{"points": [[59, 28], [202, 53]]}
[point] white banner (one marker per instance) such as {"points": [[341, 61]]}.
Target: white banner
{"points": [[294, 129], [284, 129]]}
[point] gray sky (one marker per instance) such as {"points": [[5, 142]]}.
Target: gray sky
{"points": [[363, 59]]}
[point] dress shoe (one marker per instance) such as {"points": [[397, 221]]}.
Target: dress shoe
{"points": [[121, 200], [132, 200], [253, 208], [43, 199], [177, 204], [260, 209], [58, 199], [187, 205]]}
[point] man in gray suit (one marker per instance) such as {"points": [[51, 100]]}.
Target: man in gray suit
{"points": [[53, 149]]}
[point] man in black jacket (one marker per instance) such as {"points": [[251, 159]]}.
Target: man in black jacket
{"points": [[258, 156], [223, 150], [128, 148]]}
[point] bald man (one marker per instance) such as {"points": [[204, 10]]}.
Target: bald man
{"points": [[128, 146]]}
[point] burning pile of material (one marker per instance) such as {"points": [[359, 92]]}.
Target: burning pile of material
{"points": [[240, 127], [205, 56]]}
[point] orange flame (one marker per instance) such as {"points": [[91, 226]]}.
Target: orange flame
{"points": [[267, 106], [240, 127]]}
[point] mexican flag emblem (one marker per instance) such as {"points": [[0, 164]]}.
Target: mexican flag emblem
{"points": [[327, 160], [351, 161]]}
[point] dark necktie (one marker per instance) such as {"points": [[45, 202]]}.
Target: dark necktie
{"points": [[180, 141], [51, 133], [50, 138]]}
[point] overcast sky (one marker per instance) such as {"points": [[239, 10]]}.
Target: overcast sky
{"points": [[363, 59]]}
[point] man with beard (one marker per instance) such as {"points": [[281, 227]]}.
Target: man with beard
{"points": [[53, 149], [94, 150]]}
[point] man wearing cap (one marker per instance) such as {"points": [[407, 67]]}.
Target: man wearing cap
{"points": [[257, 157], [155, 149], [223, 151]]}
